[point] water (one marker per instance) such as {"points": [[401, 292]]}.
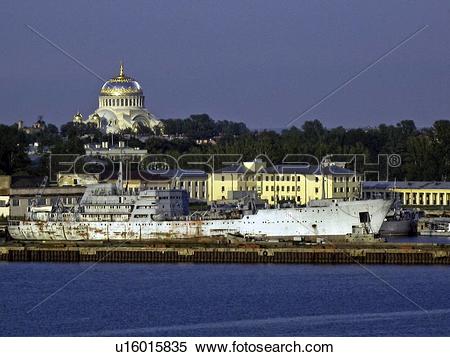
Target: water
{"points": [[222, 300]]}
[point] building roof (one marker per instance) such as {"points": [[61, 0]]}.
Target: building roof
{"points": [[155, 175], [132, 175], [413, 185], [121, 85], [290, 169], [26, 181], [184, 173], [235, 169]]}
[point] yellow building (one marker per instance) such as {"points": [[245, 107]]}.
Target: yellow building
{"points": [[193, 181], [282, 183], [410, 193]]}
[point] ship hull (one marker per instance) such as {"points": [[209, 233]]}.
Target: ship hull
{"points": [[337, 219], [397, 228]]}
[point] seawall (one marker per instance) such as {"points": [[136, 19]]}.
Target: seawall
{"points": [[252, 254]]}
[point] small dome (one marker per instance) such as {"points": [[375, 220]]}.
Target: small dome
{"points": [[78, 117], [121, 85]]}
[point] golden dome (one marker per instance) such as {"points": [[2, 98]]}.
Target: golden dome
{"points": [[78, 117], [121, 85]]}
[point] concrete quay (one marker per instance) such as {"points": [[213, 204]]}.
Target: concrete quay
{"points": [[156, 252]]}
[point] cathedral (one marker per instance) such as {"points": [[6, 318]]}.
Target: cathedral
{"points": [[121, 106]]}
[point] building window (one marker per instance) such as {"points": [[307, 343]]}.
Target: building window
{"points": [[316, 190], [317, 179]]}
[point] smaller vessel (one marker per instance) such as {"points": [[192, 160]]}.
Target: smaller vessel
{"points": [[434, 226], [400, 222]]}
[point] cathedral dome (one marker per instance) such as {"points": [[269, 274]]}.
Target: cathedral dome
{"points": [[121, 85]]}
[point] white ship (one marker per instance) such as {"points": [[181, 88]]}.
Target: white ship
{"points": [[107, 212]]}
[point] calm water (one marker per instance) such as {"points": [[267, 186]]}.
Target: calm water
{"points": [[210, 300]]}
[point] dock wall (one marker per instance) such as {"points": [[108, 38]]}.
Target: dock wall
{"points": [[348, 255]]}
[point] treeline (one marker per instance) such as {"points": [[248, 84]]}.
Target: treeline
{"points": [[201, 126], [425, 152]]}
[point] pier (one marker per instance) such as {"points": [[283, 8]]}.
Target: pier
{"points": [[379, 253]]}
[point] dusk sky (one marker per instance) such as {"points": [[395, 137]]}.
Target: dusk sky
{"points": [[259, 62]]}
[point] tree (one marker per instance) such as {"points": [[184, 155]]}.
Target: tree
{"points": [[13, 156]]}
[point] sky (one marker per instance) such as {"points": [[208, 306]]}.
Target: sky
{"points": [[259, 62]]}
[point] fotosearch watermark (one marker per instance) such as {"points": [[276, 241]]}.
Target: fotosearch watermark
{"points": [[151, 166]]}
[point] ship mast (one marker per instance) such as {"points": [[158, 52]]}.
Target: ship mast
{"points": [[119, 183]]}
